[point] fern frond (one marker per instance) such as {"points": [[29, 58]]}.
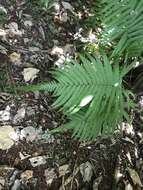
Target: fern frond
{"points": [[95, 85], [123, 23]]}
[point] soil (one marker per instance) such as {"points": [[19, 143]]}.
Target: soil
{"points": [[39, 160]]}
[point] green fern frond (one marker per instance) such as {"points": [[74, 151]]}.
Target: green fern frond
{"points": [[122, 23], [95, 85], [46, 86]]}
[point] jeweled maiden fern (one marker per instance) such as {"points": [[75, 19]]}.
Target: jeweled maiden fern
{"points": [[91, 94]]}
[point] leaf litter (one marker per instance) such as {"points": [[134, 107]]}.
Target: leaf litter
{"points": [[29, 47]]}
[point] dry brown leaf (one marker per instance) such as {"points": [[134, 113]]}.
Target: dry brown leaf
{"points": [[50, 175], [5, 141], [30, 74], [128, 187], [63, 170], [135, 177], [27, 174], [86, 171], [15, 58], [2, 32]]}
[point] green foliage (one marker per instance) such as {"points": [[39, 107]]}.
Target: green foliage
{"points": [[122, 22], [91, 93]]}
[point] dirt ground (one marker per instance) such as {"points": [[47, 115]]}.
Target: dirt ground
{"points": [[32, 40]]}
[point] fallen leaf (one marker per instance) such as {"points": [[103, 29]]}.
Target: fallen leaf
{"points": [[70, 178], [29, 133], [15, 58], [28, 23], [13, 29], [63, 17], [63, 170], [5, 141], [34, 49], [86, 171], [128, 187], [27, 174], [67, 6], [16, 185], [57, 51], [5, 114], [30, 74], [36, 161], [2, 32], [2, 9], [50, 175], [23, 156], [135, 177], [3, 50], [97, 182], [20, 115], [2, 182]]}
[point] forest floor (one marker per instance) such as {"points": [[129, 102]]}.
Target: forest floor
{"points": [[32, 40]]}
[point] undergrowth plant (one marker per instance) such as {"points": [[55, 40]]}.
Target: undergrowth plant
{"points": [[91, 92], [122, 22]]}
